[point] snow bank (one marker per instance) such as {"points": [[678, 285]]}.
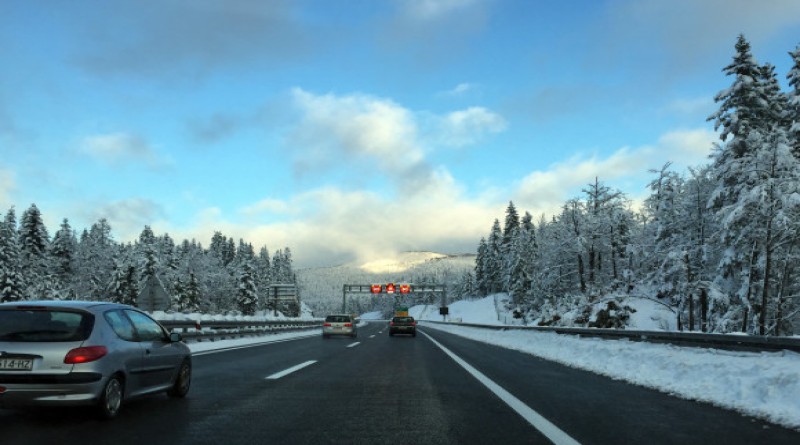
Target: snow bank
{"points": [[765, 385]]}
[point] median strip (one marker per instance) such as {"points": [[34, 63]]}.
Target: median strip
{"points": [[288, 371], [536, 420]]}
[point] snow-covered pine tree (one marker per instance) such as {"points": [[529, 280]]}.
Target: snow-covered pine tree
{"points": [[63, 253], [11, 288], [494, 260], [757, 187], [263, 268], [123, 287], [742, 109], [481, 264], [247, 295], [192, 294], [519, 280], [95, 261], [34, 242]]}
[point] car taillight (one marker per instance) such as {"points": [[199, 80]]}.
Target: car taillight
{"points": [[391, 323], [85, 355], [348, 325], [327, 325], [413, 323]]}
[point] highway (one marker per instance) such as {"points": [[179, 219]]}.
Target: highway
{"points": [[436, 388]]}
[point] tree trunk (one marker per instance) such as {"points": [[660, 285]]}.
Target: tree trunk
{"points": [[782, 293], [750, 279], [689, 280], [580, 273], [703, 310], [762, 318]]}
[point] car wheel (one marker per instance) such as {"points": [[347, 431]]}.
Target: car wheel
{"points": [[391, 334], [326, 336], [184, 380], [111, 398], [413, 334]]}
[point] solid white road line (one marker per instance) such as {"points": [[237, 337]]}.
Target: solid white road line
{"points": [[544, 426], [288, 371], [354, 344]]}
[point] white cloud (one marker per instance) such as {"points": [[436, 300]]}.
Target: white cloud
{"points": [[335, 131], [328, 224], [466, 127], [267, 205], [546, 191], [459, 90], [119, 148], [687, 148], [358, 125]]}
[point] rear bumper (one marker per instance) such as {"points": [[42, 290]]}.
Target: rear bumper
{"points": [[49, 389], [403, 330], [332, 331]]}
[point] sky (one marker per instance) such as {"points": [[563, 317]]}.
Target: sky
{"points": [[348, 130]]}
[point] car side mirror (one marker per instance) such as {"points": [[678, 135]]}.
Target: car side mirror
{"points": [[175, 337]]}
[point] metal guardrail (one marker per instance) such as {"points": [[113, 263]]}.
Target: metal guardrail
{"points": [[734, 342], [220, 330]]}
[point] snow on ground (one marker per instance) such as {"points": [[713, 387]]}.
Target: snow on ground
{"points": [[765, 385], [207, 345], [481, 311]]}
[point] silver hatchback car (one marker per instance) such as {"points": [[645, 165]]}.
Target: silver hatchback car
{"points": [[65, 353]]}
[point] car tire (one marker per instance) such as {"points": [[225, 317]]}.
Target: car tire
{"points": [[110, 400], [326, 336], [414, 334], [183, 381]]}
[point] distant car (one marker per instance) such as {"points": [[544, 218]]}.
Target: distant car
{"points": [[65, 353], [339, 324], [403, 325]]}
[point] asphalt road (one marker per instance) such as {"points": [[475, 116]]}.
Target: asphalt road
{"points": [[378, 389]]}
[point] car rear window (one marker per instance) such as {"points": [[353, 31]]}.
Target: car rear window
{"points": [[44, 325], [403, 319], [338, 319]]}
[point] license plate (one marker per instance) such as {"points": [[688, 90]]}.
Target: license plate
{"points": [[16, 364]]}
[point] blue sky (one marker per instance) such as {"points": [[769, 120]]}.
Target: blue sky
{"points": [[348, 130]]}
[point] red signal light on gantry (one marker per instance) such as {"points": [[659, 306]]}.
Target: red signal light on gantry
{"points": [[376, 288], [390, 288], [405, 288]]}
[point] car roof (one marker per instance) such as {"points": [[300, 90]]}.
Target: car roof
{"points": [[63, 304]]}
